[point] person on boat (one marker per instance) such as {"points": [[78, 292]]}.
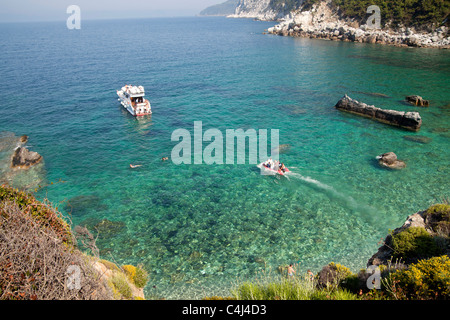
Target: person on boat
{"points": [[282, 167], [268, 163], [274, 165]]}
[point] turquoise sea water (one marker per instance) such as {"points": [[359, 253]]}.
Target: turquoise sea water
{"points": [[198, 228]]}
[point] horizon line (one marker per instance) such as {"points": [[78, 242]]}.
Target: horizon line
{"points": [[113, 18]]}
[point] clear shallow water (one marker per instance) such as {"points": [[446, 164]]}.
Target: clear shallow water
{"points": [[197, 228]]}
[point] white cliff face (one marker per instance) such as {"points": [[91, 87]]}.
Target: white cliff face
{"points": [[256, 9]]}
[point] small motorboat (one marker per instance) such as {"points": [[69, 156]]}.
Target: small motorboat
{"points": [[273, 167]]}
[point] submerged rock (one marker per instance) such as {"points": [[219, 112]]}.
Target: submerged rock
{"points": [[107, 228], [418, 139], [82, 204], [389, 160], [408, 120], [418, 101]]}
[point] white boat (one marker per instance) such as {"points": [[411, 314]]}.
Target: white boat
{"points": [[272, 167], [133, 99]]}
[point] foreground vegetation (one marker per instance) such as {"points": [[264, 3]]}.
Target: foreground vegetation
{"points": [[38, 247], [425, 280], [41, 258], [421, 271]]}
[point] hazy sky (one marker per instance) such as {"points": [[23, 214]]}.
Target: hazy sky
{"points": [[46, 10]]}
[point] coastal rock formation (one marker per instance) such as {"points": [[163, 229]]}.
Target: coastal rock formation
{"points": [[222, 9], [324, 21], [389, 160], [408, 120], [23, 158], [384, 253], [19, 167], [418, 101], [435, 222], [256, 9]]}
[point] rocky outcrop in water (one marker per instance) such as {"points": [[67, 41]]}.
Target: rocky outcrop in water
{"points": [[23, 158], [19, 167], [418, 101], [389, 160], [408, 120]]}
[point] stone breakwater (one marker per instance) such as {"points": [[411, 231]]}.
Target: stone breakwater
{"points": [[408, 120], [324, 22]]}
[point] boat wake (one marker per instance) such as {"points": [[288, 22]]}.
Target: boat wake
{"points": [[330, 191]]}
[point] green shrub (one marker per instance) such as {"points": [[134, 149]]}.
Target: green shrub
{"points": [[289, 289], [413, 244], [412, 12], [438, 218], [120, 286], [141, 277], [427, 279], [332, 275]]}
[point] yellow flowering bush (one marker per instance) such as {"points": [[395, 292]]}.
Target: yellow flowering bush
{"points": [[426, 279], [136, 275]]}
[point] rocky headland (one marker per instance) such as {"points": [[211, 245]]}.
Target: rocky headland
{"points": [[325, 20]]}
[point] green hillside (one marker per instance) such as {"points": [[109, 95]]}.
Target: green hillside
{"points": [[407, 12]]}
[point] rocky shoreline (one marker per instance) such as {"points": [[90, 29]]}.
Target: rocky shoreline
{"points": [[323, 22]]}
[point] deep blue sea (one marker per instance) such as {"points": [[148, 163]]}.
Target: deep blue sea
{"points": [[198, 229]]}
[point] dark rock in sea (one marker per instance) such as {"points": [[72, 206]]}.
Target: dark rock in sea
{"points": [[389, 160], [23, 158], [80, 205], [107, 228], [282, 148], [408, 120], [418, 101], [23, 139], [418, 139], [20, 167]]}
